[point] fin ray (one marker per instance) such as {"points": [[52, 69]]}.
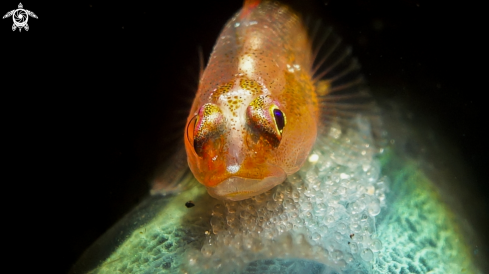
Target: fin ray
{"points": [[170, 178], [345, 54], [326, 56], [341, 89]]}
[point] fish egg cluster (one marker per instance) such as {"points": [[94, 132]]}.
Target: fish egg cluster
{"points": [[325, 213]]}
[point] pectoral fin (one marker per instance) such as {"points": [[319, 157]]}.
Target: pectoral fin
{"points": [[341, 89], [173, 175]]}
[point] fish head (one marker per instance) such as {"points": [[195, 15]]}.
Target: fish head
{"points": [[240, 142]]}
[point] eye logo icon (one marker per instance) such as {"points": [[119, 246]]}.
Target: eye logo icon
{"points": [[20, 17]]}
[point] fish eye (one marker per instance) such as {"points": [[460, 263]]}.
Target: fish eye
{"points": [[279, 118], [266, 121], [205, 128], [191, 129]]}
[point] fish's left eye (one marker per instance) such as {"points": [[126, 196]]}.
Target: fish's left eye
{"points": [[266, 119], [279, 118]]}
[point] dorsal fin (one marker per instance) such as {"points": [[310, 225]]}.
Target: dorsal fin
{"points": [[248, 6]]}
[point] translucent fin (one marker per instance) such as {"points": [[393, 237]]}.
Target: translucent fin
{"points": [[173, 168], [172, 157], [340, 86], [169, 178]]}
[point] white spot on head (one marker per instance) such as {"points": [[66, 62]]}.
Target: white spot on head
{"points": [[247, 64], [233, 169], [255, 42], [293, 68]]}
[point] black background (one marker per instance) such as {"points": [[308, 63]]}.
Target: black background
{"points": [[90, 92]]}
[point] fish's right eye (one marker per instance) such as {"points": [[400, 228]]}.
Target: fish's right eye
{"points": [[191, 129], [205, 127]]}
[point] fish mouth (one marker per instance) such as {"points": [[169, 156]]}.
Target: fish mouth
{"points": [[239, 188]]}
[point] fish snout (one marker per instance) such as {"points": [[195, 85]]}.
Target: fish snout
{"points": [[235, 188]]}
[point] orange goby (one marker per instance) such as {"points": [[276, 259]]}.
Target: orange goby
{"points": [[256, 113]]}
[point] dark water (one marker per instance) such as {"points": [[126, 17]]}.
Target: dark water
{"points": [[84, 123]]}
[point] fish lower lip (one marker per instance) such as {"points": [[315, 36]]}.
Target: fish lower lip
{"points": [[240, 188]]}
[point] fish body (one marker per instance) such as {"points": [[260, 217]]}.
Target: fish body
{"points": [[271, 86], [255, 114]]}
